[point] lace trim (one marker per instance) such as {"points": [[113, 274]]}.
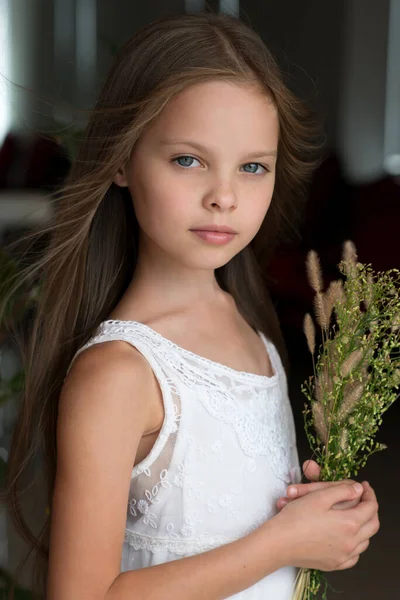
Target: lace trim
{"points": [[187, 546], [140, 541], [261, 420], [136, 326], [192, 370], [168, 388]]}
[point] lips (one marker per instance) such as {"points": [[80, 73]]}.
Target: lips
{"points": [[215, 228], [218, 238]]}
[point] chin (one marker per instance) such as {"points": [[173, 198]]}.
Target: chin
{"points": [[210, 262]]}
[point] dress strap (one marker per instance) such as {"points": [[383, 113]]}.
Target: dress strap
{"points": [[110, 331]]}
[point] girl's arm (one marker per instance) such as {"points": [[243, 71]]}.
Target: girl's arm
{"points": [[103, 413], [212, 575]]}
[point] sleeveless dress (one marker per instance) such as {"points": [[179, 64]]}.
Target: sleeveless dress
{"points": [[224, 455]]}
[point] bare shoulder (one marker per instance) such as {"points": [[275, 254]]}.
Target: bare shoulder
{"points": [[105, 394], [106, 380], [101, 360], [101, 418]]}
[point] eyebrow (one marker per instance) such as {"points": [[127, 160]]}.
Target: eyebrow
{"points": [[202, 148]]}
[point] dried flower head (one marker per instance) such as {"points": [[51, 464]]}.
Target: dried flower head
{"points": [[309, 332], [329, 302], [319, 390], [339, 296], [349, 259], [344, 440], [320, 311], [333, 296], [314, 271], [324, 389], [352, 394], [351, 362], [349, 252], [369, 291], [319, 421]]}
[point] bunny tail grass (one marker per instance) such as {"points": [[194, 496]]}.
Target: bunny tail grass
{"points": [[301, 585]]}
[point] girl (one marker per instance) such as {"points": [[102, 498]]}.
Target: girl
{"points": [[155, 376]]}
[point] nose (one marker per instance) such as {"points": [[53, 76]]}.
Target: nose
{"points": [[221, 197]]}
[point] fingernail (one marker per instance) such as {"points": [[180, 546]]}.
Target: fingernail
{"points": [[291, 491], [358, 487]]}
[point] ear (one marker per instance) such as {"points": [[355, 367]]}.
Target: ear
{"points": [[120, 178]]}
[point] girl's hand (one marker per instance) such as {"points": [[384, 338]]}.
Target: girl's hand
{"points": [[315, 536], [312, 471]]}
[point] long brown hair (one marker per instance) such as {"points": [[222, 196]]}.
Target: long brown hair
{"points": [[88, 263]]}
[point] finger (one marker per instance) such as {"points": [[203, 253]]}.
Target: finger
{"points": [[347, 504], [360, 549], [370, 529], [331, 493], [311, 470], [368, 506], [302, 489], [340, 493], [369, 492], [303, 492], [354, 557], [282, 503], [340, 506], [348, 564]]}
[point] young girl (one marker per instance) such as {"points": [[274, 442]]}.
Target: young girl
{"points": [[155, 377]]}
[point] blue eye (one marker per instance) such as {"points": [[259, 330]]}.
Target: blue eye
{"points": [[256, 165], [187, 161]]}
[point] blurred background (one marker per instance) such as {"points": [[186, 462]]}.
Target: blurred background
{"points": [[342, 57]]}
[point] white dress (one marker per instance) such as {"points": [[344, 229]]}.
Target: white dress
{"points": [[225, 453]]}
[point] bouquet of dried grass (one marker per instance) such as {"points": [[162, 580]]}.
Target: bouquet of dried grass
{"points": [[356, 373]]}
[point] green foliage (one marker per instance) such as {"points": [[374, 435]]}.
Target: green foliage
{"points": [[356, 373]]}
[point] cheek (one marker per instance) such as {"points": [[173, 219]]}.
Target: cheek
{"points": [[253, 216], [258, 207], [158, 205]]}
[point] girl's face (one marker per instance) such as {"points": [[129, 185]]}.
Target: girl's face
{"points": [[208, 159]]}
